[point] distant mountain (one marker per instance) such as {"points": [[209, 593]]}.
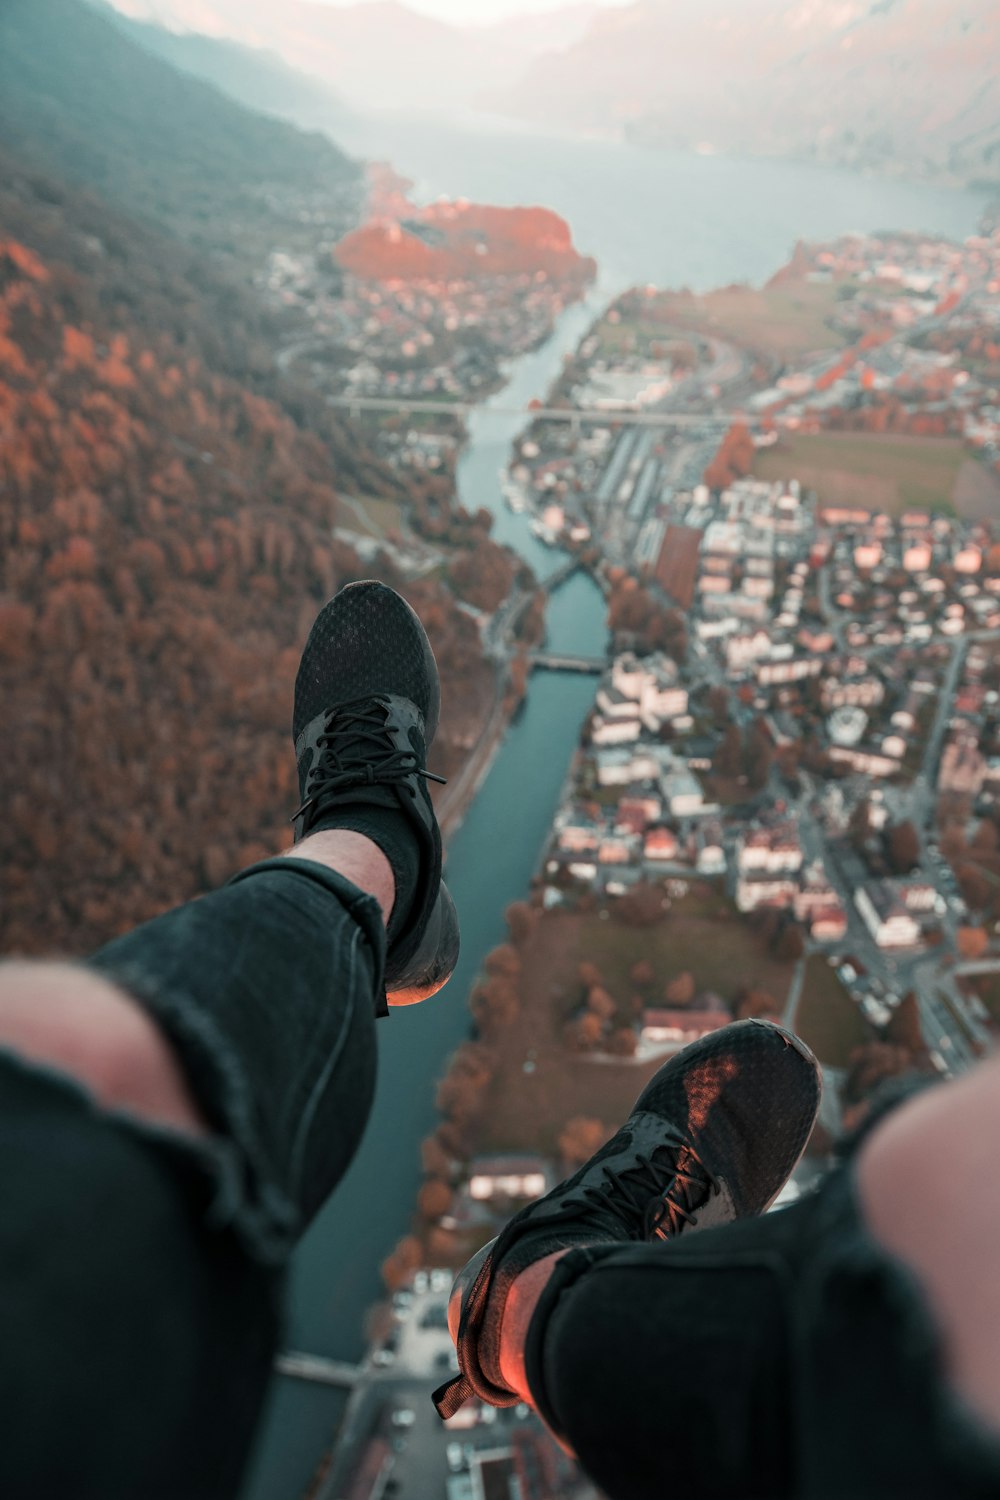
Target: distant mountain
{"points": [[897, 85], [380, 56], [83, 101], [257, 79]]}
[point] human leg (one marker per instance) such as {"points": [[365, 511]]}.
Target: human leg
{"points": [[258, 1002], [841, 1349], [928, 1187], [141, 1263], [713, 1136]]}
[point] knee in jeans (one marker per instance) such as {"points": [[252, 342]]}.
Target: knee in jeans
{"points": [[66, 1018]]}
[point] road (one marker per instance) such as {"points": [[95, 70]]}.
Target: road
{"points": [[660, 417], [832, 616]]}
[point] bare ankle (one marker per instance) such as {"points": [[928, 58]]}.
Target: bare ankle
{"points": [[518, 1311], [354, 856]]}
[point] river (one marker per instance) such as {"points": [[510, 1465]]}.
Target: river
{"points": [[647, 217]]}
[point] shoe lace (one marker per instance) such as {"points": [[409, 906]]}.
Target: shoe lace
{"points": [[355, 750], [639, 1192]]}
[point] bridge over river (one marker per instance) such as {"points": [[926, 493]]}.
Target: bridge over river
{"points": [[576, 415], [560, 662]]}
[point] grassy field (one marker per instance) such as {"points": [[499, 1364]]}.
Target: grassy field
{"points": [[864, 469], [644, 340], [379, 517], [704, 936], [977, 492], [785, 320], [827, 1018], [527, 1110]]}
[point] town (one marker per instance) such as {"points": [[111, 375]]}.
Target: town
{"points": [[786, 800]]}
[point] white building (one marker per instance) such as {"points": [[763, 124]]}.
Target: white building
{"points": [[765, 890], [682, 793], [614, 731], [620, 767], [847, 725], [885, 915], [770, 850]]}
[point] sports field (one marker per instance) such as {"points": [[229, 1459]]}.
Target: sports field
{"points": [[871, 470], [782, 320], [827, 1018]]}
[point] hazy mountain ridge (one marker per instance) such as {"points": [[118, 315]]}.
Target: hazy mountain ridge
{"points": [[259, 80], [904, 85], [83, 102], [381, 55]]}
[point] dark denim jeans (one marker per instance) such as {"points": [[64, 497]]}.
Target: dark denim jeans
{"points": [[782, 1358], [141, 1272]]}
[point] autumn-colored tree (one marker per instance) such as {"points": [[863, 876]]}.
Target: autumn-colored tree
{"points": [[434, 1199], [503, 960], [460, 1093], [871, 1065], [623, 1042], [758, 759], [903, 847], [435, 1159], [734, 458], [600, 1003], [728, 757], [579, 1139], [398, 1268], [165, 539], [976, 888], [755, 1003], [587, 1031], [972, 942], [681, 990], [986, 839], [642, 906], [495, 1005], [904, 1028], [521, 920]]}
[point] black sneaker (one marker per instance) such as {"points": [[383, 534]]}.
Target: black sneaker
{"points": [[367, 699], [714, 1136]]}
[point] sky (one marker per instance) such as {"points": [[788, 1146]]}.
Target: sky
{"points": [[484, 11]]}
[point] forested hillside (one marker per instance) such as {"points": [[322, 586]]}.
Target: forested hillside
{"points": [[165, 537], [81, 100], [252, 76]]}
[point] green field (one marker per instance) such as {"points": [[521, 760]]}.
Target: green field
{"points": [[864, 469], [786, 319], [526, 1110], [827, 1018], [704, 936], [372, 514]]}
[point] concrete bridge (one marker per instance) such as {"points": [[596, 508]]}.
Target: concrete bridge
{"points": [[977, 966], [560, 576], [355, 405], [555, 662], [317, 1369]]}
